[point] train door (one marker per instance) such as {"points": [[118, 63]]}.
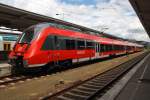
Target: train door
{"points": [[51, 45], [56, 53], [96, 50]]}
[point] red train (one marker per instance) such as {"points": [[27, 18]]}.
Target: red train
{"points": [[52, 43]]}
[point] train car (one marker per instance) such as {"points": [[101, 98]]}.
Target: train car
{"points": [[7, 42], [57, 44]]}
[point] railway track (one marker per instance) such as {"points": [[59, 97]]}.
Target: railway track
{"points": [[11, 79], [97, 85], [7, 80]]}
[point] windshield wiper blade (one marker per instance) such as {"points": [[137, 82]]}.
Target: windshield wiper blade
{"points": [[23, 43]]}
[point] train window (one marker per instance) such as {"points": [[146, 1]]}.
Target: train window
{"points": [[112, 47], [70, 44], [123, 48], [89, 45], [120, 47], [31, 33], [48, 43], [7, 47], [117, 47], [56, 43], [106, 47], [109, 47], [102, 47], [27, 36], [80, 44], [62, 43]]}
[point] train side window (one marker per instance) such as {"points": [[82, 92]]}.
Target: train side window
{"points": [[117, 47], [70, 44], [112, 47], [48, 43], [102, 47], [62, 43], [5, 47], [80, 44], [89, 45], [8, 45], [56, 43], [107, 47]]}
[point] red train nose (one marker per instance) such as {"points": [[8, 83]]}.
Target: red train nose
{"points": [[21, 48]]}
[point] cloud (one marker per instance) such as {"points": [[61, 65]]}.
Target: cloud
{"points": [[117, 15]]}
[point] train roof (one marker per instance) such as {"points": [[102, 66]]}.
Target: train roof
{"points": [[10, 33]]}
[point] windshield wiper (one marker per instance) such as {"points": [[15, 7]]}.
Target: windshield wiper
{"points": [[23, 43]]}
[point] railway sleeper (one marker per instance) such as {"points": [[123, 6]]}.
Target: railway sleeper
{"points": [[71, 96], [82, 90], [92, 86], [86, 89], [95, 83]]}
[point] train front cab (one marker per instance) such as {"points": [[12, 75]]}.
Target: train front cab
{"points": [[24, 48]]}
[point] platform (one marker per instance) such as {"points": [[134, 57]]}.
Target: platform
{"points": [[138, 87], [135, 85], [5, 69]]}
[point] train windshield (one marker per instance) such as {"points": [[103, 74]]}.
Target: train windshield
{"points": [[31, 33]]}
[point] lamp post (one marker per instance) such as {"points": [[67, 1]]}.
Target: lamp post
{"points": [[62, 15], [104, 29]]}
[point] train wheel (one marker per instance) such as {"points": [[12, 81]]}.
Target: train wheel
{"points": [[48, 68], [65, 63], [16, 71]]}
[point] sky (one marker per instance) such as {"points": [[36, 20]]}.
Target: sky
{"points": [[115, 17]]}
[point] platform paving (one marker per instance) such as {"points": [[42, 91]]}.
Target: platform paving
{"points": [[138, 87], [5, 69]]}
